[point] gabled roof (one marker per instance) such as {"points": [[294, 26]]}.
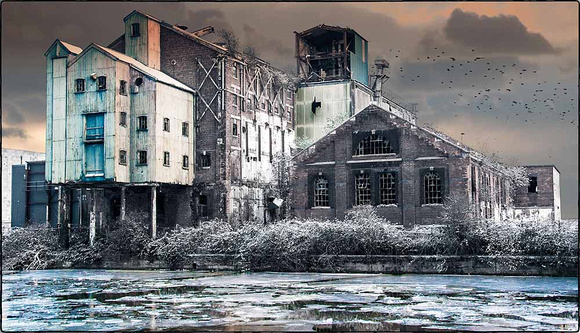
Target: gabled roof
{"points": [[180, 31], [152, 73], [69, 47]]}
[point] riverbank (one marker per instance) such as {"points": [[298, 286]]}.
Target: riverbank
{"points": [[385, 264]]}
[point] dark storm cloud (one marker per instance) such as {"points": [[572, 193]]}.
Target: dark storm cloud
{"points": [[11, 114], [263, 43], [8, 132], [497, 34]]}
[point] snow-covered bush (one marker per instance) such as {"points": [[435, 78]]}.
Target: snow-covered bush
{"points": [[29, 248]]}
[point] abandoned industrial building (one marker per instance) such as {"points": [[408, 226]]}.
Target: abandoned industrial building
{"points": [[166, 124]]}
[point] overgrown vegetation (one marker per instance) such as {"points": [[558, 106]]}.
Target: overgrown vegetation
{"points": [[291, 244]]}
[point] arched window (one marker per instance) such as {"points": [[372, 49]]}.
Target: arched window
{"points": [[388, 189], [362, 187], [433, 193], [321, 197], [374, 145]]}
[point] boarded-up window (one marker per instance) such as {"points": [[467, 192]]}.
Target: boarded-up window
{"points": [[94, 127]]}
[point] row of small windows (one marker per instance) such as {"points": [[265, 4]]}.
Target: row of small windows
{"points": [[80, 85], [142, 124], [387, 189], [142, 158]]}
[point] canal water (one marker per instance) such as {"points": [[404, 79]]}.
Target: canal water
{"points": [[89, 300]]}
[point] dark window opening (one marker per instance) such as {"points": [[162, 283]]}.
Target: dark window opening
{"points": [[123, 87], [102, 83], [142, 122], [202, 206], [533, 184], [123, 119], [315, 105], [135, 30], [362, 185], [433, 193], [388, 189], [374, 145], [166, 158], [235, 70], [205, 160], [185, 129], [123, 157], [185, 162], [166, 126], [142, 157], [321, 194], [80, 85], [235, 129]]}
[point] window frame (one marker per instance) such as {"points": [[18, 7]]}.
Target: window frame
{"points": [[362, 195], [166, 125], [140, 123], [202, 207], [101, 86], [185, 128], [532, 184], [77, 81], [432, 188], [123, 87], [185, 162], [321, 196], [373, 145], [235, 129], [388, 188], [122, 157], [123, 119], [166, 159], [140, 154], [203, 158], [135, 32]]}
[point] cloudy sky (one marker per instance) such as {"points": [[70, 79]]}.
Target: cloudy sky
{"points": [[505, 74]]}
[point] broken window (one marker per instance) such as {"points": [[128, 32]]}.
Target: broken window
{"points": [[374, 145], [80, 85], [123, 118], [165, 158], [123, 87], [135, 30], [321, 195], [205, 160], [362, 186], [388, 189], [235, 129], [166, 124], [202, 206], [102, 83], [123, 157], [142, 123], [185, 162], [533, 184], [185, 128], [141, 157], [433, 193]]}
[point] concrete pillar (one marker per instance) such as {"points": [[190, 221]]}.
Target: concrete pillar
{"points": [[123, 204], [153, 212], [409, 186], [65, 215], [92, 217], [59, 208]]}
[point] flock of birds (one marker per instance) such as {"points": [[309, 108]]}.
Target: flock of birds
{"points": [[494, 83]]}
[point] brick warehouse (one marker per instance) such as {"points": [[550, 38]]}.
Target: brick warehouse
{"points": [[195, 130]]}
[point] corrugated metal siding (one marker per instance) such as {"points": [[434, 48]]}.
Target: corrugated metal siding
{"points": [[18, 218], [335, 107], [359, 67]]}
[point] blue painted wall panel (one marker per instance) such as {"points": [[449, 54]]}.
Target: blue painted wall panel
{"points": [[18, 211]]}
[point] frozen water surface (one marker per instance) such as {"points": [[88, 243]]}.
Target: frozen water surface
{"points": [[91, 300]]}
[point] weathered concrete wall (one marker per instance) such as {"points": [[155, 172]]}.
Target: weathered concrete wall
{"points": [[12, 157], [481, 265]]}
